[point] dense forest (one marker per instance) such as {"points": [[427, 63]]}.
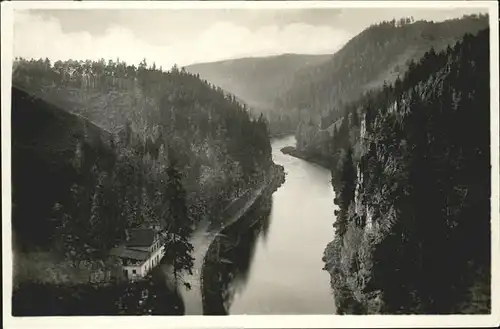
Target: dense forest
{"points": [[381, 53], [99, 148], [411, 172]]}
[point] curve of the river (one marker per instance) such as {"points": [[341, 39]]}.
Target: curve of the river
{"points": [[285, 273]]}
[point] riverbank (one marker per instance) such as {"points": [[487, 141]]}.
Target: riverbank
{"points": [[211, 285], [290, 150]]}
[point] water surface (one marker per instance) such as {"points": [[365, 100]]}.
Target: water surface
{"points": [[270, 261], [285, 275]]}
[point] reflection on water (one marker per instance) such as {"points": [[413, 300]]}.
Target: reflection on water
{"points": [[239, 246], [230, 256]]}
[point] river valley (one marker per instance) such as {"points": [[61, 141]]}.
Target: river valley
{"points": [[273, 264]]}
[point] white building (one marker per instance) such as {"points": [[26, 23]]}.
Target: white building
{"points": [[142, 251]]}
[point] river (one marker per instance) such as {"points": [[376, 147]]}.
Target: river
{"points": [[275, 254]]}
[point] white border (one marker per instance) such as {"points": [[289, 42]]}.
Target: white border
{"points": [[240, 321]]}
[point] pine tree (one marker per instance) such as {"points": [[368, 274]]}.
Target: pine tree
{"points": [[178, 247]]}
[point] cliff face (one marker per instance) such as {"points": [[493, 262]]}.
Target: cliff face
{"points": [[413, 237]]}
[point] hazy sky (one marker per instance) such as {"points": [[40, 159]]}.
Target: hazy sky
{"points": [[186, 36]]}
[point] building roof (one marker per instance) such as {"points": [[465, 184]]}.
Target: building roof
{"points": [[138, 244], [141, 237], [124, 252]]}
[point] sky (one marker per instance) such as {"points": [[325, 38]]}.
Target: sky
{"points": [[187, 36]]}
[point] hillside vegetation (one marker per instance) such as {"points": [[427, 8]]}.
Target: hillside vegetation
{"points": [[258, 81], [44, 141], [379, 54], [413, 190], [99, 148]]}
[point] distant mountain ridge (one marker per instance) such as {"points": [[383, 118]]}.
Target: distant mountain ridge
{"points": [[379, 53], [257, 81], [293, 88], [375, 57]]}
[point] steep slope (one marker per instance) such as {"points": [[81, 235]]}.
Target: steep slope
{"points": [[379, 53], [100, 148], [56, 154], [258, 81], [413, 224], [116, 174], [44, 141]]}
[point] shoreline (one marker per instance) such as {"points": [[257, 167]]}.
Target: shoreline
{"points": [[212, 300], [292, 151]]}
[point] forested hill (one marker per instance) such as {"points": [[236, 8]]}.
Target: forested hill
{"points": [[413, 224], [44, 141], [81, 179], [379, 53], [259, 80]]}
